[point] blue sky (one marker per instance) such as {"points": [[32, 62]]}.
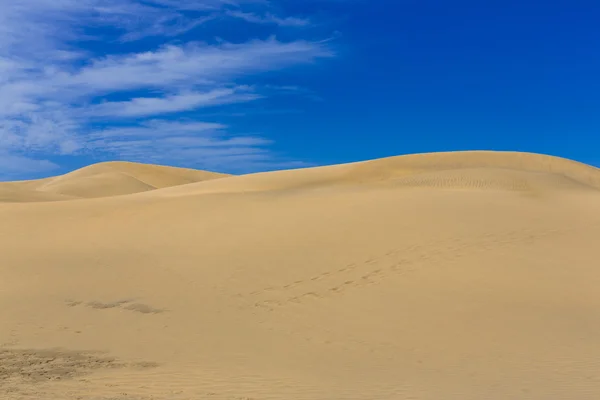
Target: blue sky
{"points": [[252, 85]]}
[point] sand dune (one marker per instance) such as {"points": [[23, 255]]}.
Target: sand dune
{"points": [[18, 193], [103, 180], [455, 276], [453, 170]]}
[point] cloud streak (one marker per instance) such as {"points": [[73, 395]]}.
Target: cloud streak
{"points": [[149, 106], [67, 87], [269, 18], [208, 145]]}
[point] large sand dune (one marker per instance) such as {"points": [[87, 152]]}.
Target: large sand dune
{"points": [[450, 276], [102, 180]]}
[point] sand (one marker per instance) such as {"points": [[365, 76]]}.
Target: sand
{"points": [[449, 276], [102, 180]]}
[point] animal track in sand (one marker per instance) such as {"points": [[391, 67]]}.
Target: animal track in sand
{"points": [[399, 261]]}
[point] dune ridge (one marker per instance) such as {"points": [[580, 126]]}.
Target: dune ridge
{"points": [[454, 276], [102, 180], [468, 169], [526, 172]]}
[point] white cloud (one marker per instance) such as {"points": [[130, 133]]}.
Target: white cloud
{"points": [[157, 129], [13, 166], [170, 26], [194, 63], [206, 4], [206, 145], [55, 88], [46, 130], [148, 106], [269, 18]]}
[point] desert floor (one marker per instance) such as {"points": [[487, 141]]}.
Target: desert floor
{"points": [[449, 276]]}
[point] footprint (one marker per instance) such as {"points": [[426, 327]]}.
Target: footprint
{"points": [[122, 304], [143, 308]]}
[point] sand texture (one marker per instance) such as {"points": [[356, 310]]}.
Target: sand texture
{"points": [[447, 276]]}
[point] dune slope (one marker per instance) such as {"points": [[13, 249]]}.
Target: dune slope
{"points": [[102, 180], [453, 170], [461, 276]]}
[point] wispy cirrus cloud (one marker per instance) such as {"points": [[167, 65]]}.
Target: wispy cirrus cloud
{"points": [[208, 145], [15, 166], [149, 106], [192, 64], [269, 18], [67, 71]]}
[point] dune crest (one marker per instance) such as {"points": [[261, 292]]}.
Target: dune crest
{"points": [[454, 170], [103, 180], [524, 172]]}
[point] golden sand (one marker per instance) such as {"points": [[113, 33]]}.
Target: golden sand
{"points": [[447, 276]]}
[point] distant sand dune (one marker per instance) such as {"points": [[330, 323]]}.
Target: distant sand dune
{"points": [[480, 159], [472, 169], [16, 193], [445, 276], [103, 180]]}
